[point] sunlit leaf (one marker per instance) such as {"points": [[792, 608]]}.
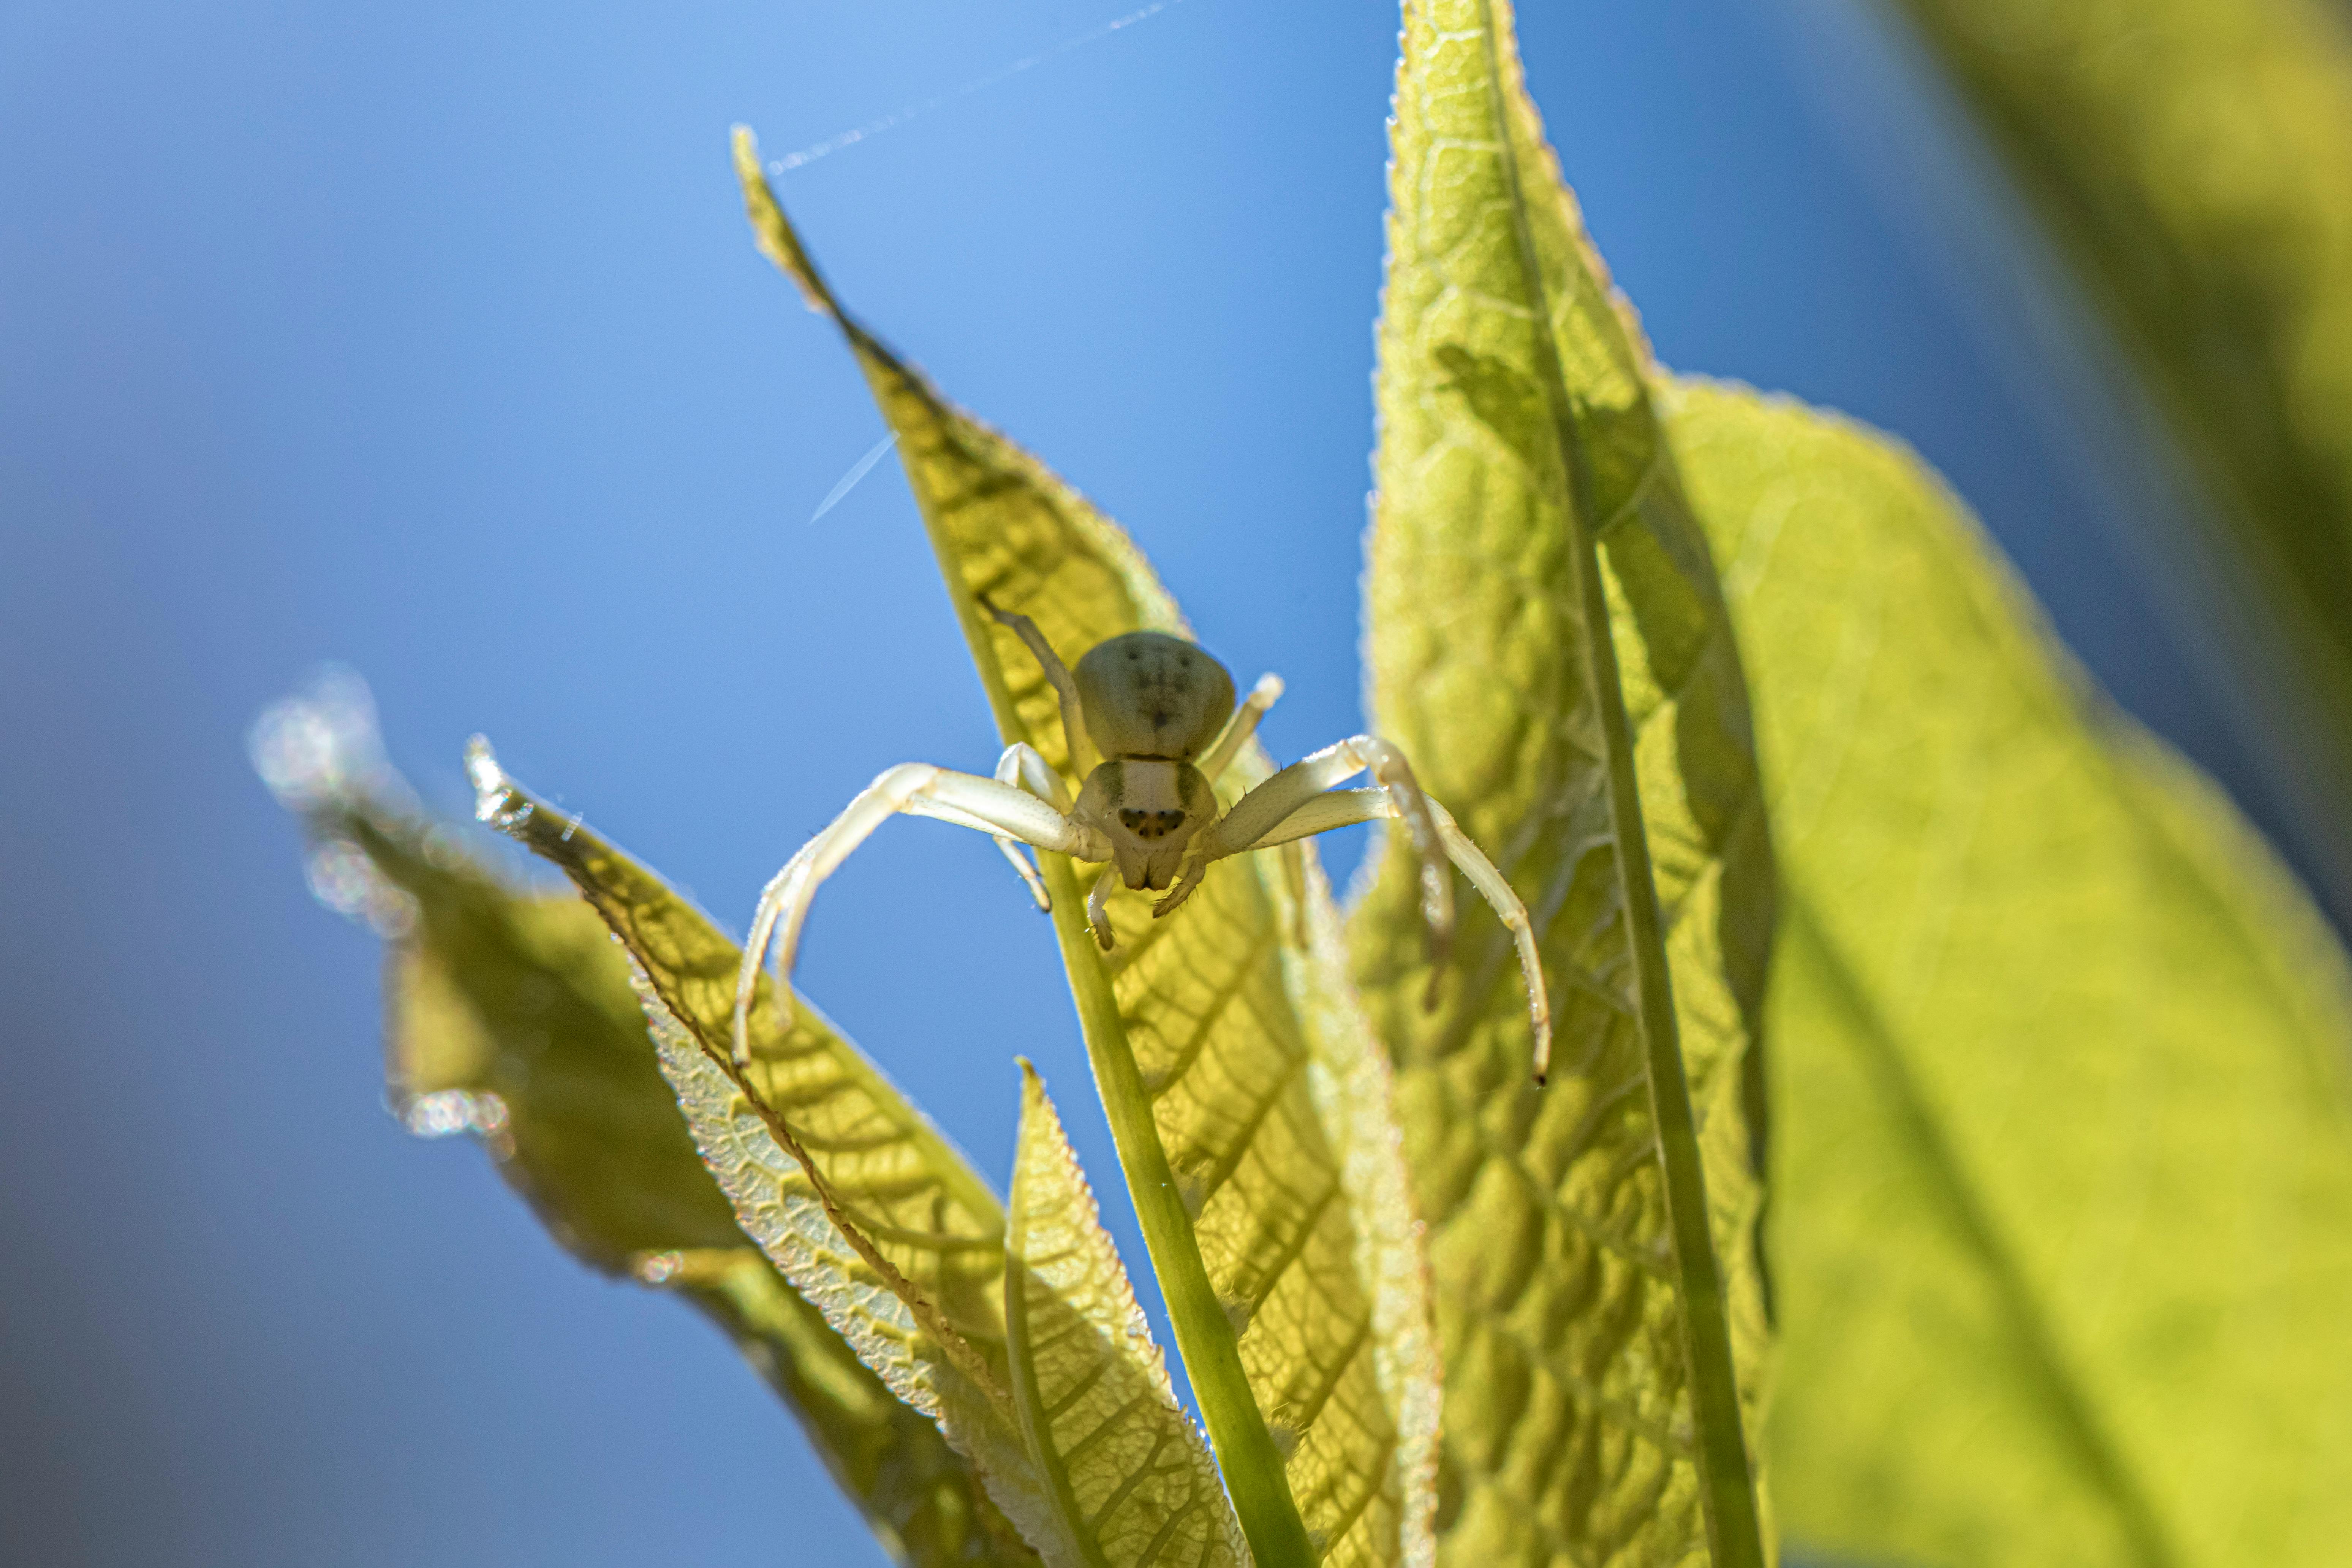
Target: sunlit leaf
{"points": [[868, 1212], [900, 1327], [2061, 1215], [2193, 158], [1265, 1093], [510, 1014], [1589, 1313], [1126, 1468]]}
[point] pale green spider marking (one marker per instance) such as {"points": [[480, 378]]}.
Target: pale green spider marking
{"points": [[1150, 723]]}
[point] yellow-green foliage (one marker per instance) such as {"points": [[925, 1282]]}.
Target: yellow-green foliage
{"points": [[2062, 1226], [2193, 159], [520, 1003], [2061, 1146], [1278, 1231], [1130, 1477], [1518, 446]]}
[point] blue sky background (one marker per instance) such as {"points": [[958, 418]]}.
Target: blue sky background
{"points": [[428, 338]]}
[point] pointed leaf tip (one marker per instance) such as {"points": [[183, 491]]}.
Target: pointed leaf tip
{"points": [[772, 230], [489, 779]]}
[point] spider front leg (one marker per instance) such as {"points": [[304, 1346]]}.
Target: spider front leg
{"points": [[1075, 738], [1261, 810], [987, 805], [1014, 768], [1241, 727], [1022, 765], [1346, 808]]}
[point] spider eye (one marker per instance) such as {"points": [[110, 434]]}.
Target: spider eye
{"points": [[1150, 825]]}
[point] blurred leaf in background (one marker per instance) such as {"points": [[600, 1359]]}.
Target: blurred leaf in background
{"points": [[510, 1014], [2194, 161], [2061, 1216]]}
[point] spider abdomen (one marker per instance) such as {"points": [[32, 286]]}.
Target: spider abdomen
{"points": [[1149, 695]]}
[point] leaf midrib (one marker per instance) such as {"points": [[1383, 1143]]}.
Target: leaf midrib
{"points": [[1254, 1475], [1735, 1530], [1035, 1415]]}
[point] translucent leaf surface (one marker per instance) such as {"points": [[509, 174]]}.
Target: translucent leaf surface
{"points": [[867, 1211], [2061, 1215], [509, 1015], [1126, 1467], [813, 1230], [2194, 160], [1592, 1411], [1266, 1094]]}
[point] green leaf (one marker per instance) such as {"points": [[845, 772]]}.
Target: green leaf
{"points": [[1245, 1095], [1128, 1470], [510, 1014], [2193, 159], [866, 1209], [2061, 1215], [1549, 644]]}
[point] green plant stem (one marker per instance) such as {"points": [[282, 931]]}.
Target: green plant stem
{"points": [[1253, 1466], [1735, 1531]]}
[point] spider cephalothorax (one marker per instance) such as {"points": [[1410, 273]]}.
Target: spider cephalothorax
{"points": [[1153, 706], [1150, 723]]}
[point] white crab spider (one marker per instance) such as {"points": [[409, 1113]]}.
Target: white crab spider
{"points": [[1159, 711]]}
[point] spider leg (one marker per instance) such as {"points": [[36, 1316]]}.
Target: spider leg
{"points": [[1020, 862], [1098, 908], [1334, 809], [1345, 807], [1022, 766], [918, 788], [1057, 676], [1263, 809], [1241, 727]]}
